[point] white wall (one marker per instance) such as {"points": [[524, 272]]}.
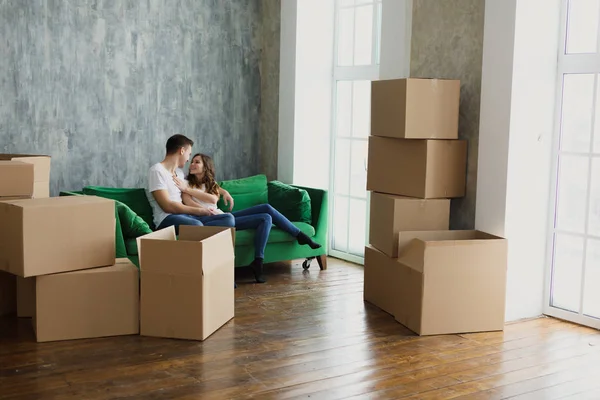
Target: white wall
{"points": [[396, 30], [314, 80], [516, 128], [287, 91], [305, 98]]}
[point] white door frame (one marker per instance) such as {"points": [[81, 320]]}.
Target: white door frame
{"points": [[350, 73], [568, 64]]}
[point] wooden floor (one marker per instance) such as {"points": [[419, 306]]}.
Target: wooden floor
{"points": [[307, 335]]}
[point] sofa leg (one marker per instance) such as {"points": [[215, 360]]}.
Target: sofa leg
{"points": [[322, 260]]}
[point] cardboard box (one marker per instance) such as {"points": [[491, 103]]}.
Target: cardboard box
{"points": [[415, 108], [91, 303], [425, 169], [391, 214], [41, 171], [10, 198], [187, 284], [8, 294], [16, 179], [381, 279], [450, 282], [57, 234], [25, 297]]}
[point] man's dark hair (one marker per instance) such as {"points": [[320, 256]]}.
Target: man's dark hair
{"points": [[175, 142]]}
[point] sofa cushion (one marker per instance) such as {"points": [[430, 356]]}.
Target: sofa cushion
{"points": [[246, 192], [132, 225], [246, 237], [135, 198], [292, 202], [131, 247]]}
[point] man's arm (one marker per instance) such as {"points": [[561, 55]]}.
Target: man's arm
{"points": [[174, 207], [189, 201]]}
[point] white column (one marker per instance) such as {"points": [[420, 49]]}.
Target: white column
{"points": [[305, 97], [287, 91], [396, 29], [515, 137]]}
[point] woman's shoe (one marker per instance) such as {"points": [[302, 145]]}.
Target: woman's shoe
{"points": [[257, 268], [304, 239]]}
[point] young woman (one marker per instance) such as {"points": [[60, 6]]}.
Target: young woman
{"points": [[201, 190]]}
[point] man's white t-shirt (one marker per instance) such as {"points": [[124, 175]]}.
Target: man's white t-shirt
{"points": [[159, 178]]}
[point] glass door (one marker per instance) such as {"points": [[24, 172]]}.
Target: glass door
{"points": [[358, 25], [574, 292]]}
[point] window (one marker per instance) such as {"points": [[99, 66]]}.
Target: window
{"points": [[575, 233], [356, 58]]}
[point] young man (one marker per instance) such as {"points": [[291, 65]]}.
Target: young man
{"points": [[165, 197]]}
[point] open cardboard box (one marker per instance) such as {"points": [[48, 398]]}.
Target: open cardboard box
{"points": [[443, 282], [187, 282]]}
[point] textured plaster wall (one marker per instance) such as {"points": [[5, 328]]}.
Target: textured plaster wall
{"points": [[101, 84], [269, 71], [447, 42]]}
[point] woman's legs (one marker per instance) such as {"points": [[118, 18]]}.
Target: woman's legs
{"points": [[179, 219], [280, 221], [262, 223], [225, 219]]}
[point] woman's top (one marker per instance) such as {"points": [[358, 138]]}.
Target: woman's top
{"points": [[211, 206]]}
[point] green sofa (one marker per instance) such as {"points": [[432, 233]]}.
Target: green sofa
{"points": [[305, 207]]}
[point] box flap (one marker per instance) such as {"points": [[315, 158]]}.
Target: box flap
{"points": [[170, 257], [216, 251], [412, 254], [16, 179], [167, 233], [199, 233]]}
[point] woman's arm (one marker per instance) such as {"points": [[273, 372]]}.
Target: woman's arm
{"points": [[188, 201], [227, 199], [199, 194]]}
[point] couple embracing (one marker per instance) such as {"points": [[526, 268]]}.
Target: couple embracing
{"points": [[192, 200]]}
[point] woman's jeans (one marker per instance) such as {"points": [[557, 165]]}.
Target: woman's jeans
{"points": [[226, 220], [261, 218]]}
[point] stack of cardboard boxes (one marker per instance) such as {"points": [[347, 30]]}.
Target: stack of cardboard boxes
{"points": [[58, 266], [431, 279], [62, 252]]}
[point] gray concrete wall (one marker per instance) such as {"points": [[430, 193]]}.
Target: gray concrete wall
{"points": [[269, 112], [447, 42], [101, 84]]}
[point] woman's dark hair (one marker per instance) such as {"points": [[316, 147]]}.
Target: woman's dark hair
{"points": [[208, 178]]}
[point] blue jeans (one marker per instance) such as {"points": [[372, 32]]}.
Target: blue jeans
{"points": [[205, 220], [261, 218]]}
